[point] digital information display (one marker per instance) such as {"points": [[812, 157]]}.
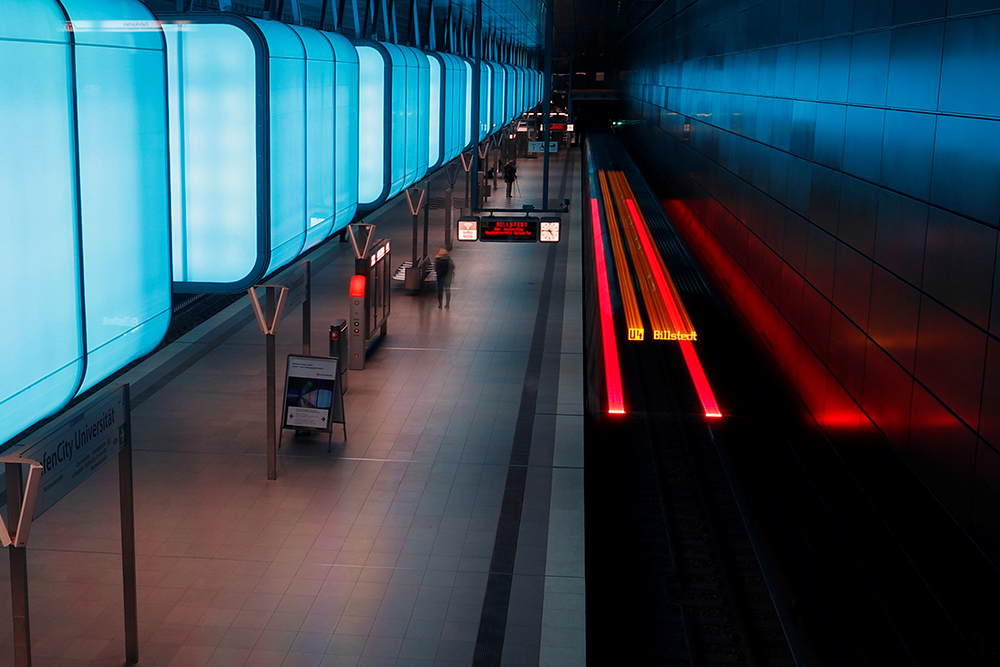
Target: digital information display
{"points": [[508, 229], [468, 229]]}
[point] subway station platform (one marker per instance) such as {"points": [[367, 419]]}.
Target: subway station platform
{"points": [[447, 529]]}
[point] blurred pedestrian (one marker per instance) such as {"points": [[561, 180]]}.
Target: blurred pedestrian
{"points": [[445, 270], [509, 175]]}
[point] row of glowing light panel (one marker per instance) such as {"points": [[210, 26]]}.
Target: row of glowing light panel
{"points": [[143, 155], [663, 298]]}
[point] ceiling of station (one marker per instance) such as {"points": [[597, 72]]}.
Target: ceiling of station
{"points": [[587, 28]]}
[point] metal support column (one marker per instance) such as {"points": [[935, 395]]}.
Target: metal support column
{"points": [[126, 503], [427, 217], [477, 45], [272, 424], [547, 100], [18, 572]]}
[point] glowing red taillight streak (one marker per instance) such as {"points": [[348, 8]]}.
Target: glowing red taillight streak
{"points": [[701, 385], [612, 371], [698, 376]]}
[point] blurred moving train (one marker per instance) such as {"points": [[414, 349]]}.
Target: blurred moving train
{"points": [[142, 155]]}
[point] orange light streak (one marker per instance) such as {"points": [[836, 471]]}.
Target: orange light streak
{"points": [[633, 317], [701, 385], [664, 284], [612, 371]]}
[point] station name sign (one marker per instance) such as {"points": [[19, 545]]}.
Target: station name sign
{"points": [[525, 229], [74, 447]]}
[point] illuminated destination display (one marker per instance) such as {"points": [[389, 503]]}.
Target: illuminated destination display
{"points": [[508, 229]]}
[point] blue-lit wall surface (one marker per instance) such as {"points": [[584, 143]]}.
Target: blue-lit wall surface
{"points": [[85, 194], [319, 145], [512, 109], [467, 137], [43, 352], [449, 112], [286, 86], [218, 169], [345, 130], [498, 98], [263, 145], [121, 104], [847, 157], [435, 110], [394, 124], [373, 130], [485, 99]]}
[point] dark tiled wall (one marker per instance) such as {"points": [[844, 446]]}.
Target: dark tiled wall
{"points": [[845, 158]]}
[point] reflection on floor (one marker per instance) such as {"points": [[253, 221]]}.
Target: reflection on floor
{"points": [[385, 552]]}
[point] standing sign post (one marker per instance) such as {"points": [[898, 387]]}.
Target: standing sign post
{"points": [[314, 398], [451, 171], [60, 456], [467, 166], [276, 299]]}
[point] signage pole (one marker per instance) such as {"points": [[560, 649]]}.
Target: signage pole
{"points": [[547, 99], [468, 179], [272, 451], [127, 501], [448, 213], [18, 572], [427, 214], [307, 311], [451, 171], [416, 224]]}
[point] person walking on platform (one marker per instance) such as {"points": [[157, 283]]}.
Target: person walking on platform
{"points": [[445, 270], [509, 175]]}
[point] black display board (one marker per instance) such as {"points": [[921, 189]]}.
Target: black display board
{"points": [[508, 229]]}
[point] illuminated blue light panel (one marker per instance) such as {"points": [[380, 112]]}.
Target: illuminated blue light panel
{"points": [[398, 111], [218, 234], [42, 356], [345, 131], [418, 114], [511, 111], [373, 178], [449, 110], [485, 99], [287, 147], [422, 122], [467, 136], [436, 110], [409, 110], [319, 147], [498, 112], [519, 92], [123, 180], [456, 120]]}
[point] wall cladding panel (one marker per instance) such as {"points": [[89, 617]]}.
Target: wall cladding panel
{"points": [[835, 164]]}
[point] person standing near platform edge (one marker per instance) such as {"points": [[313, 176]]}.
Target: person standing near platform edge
{"points": [[509, 175], [445, 270]]}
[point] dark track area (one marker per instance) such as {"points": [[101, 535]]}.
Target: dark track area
{"points": [[865, 565], [673, 577]]}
